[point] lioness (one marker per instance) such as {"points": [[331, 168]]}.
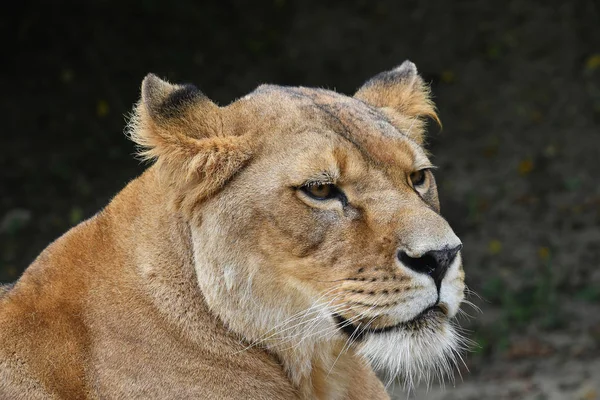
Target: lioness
{"points": [[280, 247]]}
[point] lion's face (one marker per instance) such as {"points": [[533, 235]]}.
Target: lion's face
{"points": [[330, 231]]}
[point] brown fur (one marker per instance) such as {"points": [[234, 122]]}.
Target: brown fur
{"points": [[166, 292]]}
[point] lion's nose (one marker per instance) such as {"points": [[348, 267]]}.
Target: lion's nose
{"points": [[434, 263]]}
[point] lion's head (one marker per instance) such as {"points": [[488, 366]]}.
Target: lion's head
{"points": [[314, 217]]}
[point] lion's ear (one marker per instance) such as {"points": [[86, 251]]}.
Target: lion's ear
{"points": [[403, 95], [182, 129]]}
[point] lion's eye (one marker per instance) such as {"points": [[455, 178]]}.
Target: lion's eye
{"points": [[321, 191], [417, 178]]}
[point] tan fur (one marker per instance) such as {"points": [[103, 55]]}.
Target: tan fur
{"points": [[213, 276], [407, 108]]}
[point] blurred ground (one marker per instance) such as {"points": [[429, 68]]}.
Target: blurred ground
{"points": [[518, 89]]}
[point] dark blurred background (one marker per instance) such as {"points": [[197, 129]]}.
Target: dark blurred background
{"points": [[517, 84]]}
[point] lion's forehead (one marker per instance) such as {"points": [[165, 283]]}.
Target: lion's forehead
{"points": [[361, 124]]}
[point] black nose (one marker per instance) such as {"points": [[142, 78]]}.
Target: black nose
{"points": [[434, 263]]}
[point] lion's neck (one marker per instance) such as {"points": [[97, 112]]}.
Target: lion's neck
{"points": [[329, 371], [162, 256]]}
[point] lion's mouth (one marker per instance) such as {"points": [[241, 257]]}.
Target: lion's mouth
{"points": [[358, 332]]}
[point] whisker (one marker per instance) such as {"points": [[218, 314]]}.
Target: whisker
{"points": [[350, 341], [471, 292], [314, 308], [327, 331], [325, 312], [473, 306]]}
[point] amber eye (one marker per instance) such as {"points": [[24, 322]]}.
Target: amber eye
{"points": [[320, 191], [417, 178], [323, 192]]}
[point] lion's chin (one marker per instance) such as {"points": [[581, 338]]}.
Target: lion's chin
{"points": [[414, 355]]}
